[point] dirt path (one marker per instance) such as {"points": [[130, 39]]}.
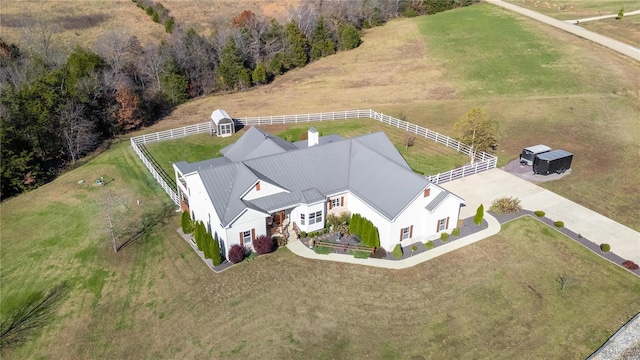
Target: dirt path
{"points": [[610, 43]]}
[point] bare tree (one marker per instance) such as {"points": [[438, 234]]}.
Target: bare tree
{"points": [[409, 140], [78, 132], [564, 280], [118, 48]]}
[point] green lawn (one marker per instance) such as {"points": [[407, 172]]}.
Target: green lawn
{"points": [[425, 156], [507, 59]]}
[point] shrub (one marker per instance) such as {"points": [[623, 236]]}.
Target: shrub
{"points": [[281, 241], [360, 254], [263, 244], [303, 234], [236, 253], [620, 14], [414, 248], [169, 25], [397, 252], [558, 224], [185, 223], [477, 219], [323, 250], [539, 213], [379, 253], [444, 237], [605, 247], [630, 265], [252, 256], [429, 245], [455, 232], [148, 10], [506, 205], [155, 17]]}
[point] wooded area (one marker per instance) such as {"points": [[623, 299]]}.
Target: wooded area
{"points": [[57, 107]]}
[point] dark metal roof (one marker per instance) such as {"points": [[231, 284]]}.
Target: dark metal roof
{"points": [[553, 155]]}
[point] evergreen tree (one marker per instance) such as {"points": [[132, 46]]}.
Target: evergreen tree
{"points": [[322, 44], [174, 84], [185, 222], [232, 72], [259, 75], [296, 46], [349, 37], [216, 255]]}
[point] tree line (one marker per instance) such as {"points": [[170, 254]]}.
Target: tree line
{"points": [[56, 108]]}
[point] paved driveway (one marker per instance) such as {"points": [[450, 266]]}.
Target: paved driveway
{"points": [[485, 187]]}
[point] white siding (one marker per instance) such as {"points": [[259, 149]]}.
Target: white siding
{"points": [[415, 214], [202, 209], [266, 189], [306, 210], [251, 219]]}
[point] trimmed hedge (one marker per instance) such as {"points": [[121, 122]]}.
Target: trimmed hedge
{"points": [[444, 237], [429, 245], [630, 265], [186, 223], [558, 224], [605, 247], [365, 229], [539, 213], [397, 252]]}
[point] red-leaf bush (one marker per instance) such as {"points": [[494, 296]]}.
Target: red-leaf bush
{"points": [[630, 265], [263, 244], [236, 253]]}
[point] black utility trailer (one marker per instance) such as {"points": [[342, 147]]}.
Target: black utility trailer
{"points": [[556, 161]]}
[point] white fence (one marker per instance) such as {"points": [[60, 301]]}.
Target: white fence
{"points": [[482, 161]]}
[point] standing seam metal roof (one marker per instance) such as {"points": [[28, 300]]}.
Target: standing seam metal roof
{"points": [[368, 165]]}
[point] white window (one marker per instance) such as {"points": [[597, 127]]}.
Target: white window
{"points": [[442, 224], [224, 129], [301, 219], [335, 203], [246, 237], [406, 233], [315, 218]]}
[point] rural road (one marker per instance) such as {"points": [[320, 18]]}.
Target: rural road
{"points": [[612, 44]]}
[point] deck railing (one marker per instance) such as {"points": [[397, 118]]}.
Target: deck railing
{"points": [[482, 160]]}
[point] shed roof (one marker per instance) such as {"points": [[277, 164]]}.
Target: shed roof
{"points": [[218, 115]]}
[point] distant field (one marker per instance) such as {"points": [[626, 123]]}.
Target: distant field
{"points": [[425, 156], [626, 30], [568, 9], [78, 22]]}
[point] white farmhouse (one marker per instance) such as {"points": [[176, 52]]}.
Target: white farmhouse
{"points": [[261, 181]]}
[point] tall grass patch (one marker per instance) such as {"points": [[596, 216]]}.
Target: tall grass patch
{"points": [[495, 53]]}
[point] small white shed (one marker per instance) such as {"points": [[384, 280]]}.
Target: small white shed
{"points": [[222, 123]]}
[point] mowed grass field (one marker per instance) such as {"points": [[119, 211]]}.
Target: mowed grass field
{"points": [[626, 30], [498, 298], [425, 156]]}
